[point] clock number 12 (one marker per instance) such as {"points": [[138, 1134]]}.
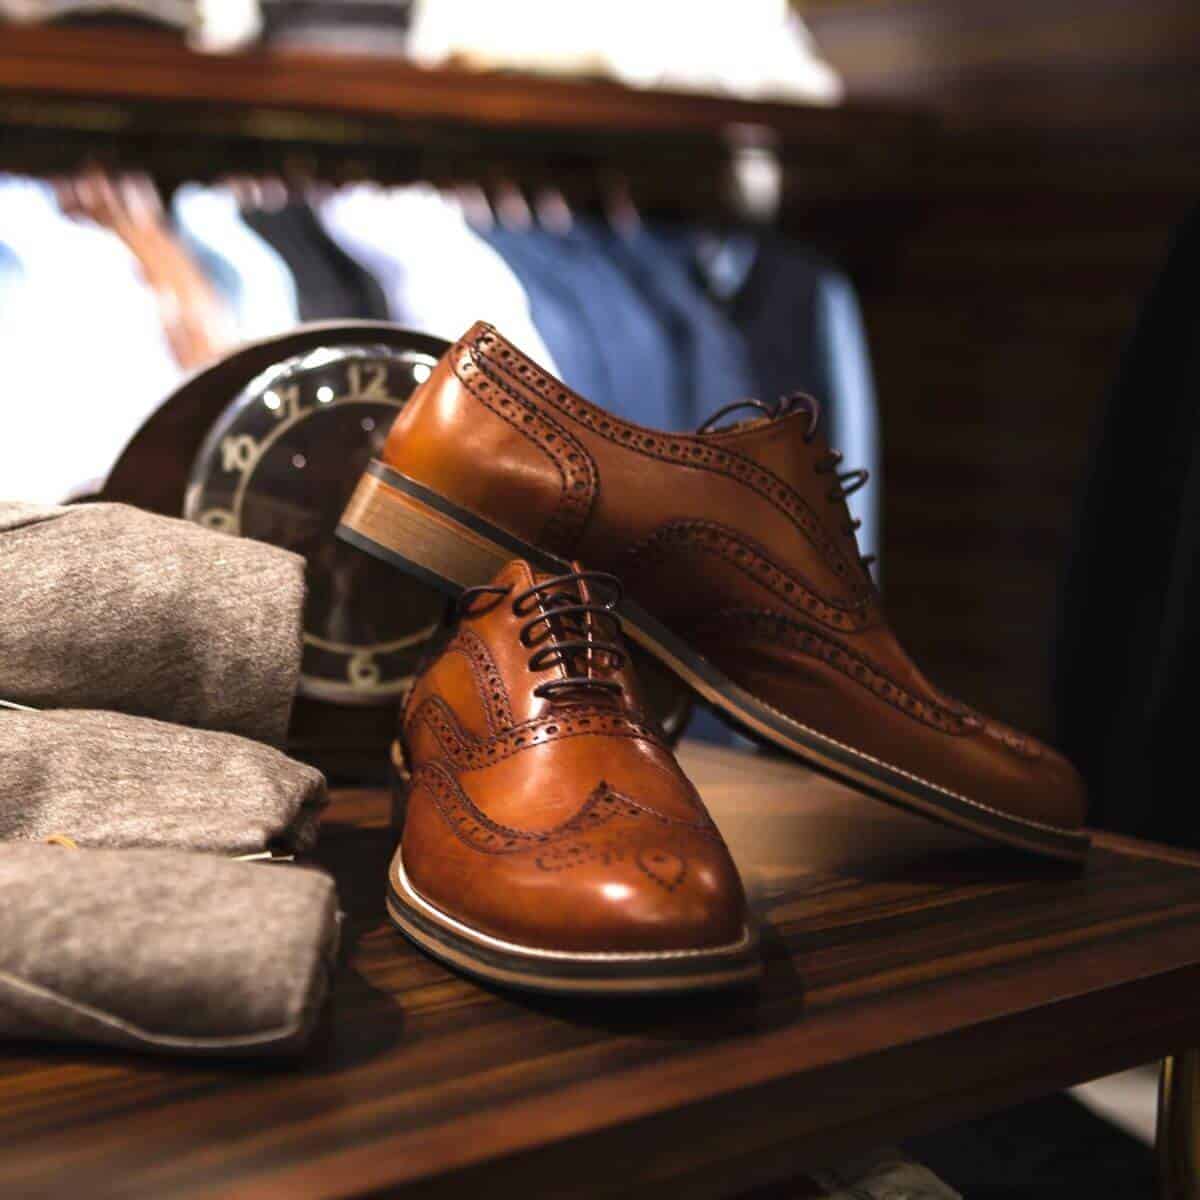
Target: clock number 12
{"points": [[368, 381]]}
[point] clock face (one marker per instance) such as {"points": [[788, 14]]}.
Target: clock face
{"points": [[279, 466]]}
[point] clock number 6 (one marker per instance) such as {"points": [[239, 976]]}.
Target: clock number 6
{"points": [[363, 671], [220, 519]]}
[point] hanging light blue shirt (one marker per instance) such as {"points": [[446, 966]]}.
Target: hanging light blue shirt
{"points": [[248, 272]]}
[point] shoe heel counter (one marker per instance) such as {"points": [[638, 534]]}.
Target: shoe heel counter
{"points": [[450, 440], [421, 442]]}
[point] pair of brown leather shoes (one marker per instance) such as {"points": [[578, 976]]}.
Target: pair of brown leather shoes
{"points": [[551, 839]]}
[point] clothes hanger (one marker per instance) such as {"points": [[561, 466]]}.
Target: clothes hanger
{"points": [[139, 197], [554, 211], [231, 184], [475, 206], [510, 206], [247, 191], [314, 190], [620, 208], [273, 193]]}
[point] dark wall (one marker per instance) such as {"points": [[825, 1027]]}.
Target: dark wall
{"points": [[1067, 154]]}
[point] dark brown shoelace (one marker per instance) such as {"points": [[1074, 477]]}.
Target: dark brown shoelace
{"points": [[568, 629], [845, 483]]}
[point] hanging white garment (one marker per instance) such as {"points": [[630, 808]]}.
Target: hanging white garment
{"points": [[438, 275], [85, 355], [247, 270]]}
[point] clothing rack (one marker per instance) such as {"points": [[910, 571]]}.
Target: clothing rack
{"points": [[141, 100]]}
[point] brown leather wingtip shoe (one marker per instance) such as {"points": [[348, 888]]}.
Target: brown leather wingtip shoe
{"points": [[550, 840], [738, 554]]}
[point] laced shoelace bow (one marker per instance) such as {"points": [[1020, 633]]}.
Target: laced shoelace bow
{"points": [[561, 628], [845, 483]]}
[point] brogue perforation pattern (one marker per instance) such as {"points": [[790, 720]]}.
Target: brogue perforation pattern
{"points": [[468, 753], [678, 449], [481, 833], [1018, 743], [752, 561], [488, 679], [781, 630], [575, 466]]}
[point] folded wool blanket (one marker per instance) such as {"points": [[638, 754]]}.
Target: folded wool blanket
{"points": [[162, 950], [106, 779], [106, 606]]}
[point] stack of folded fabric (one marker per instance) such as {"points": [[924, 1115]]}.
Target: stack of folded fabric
{"points": [[161, 950], [111, 780], [148, 665]]}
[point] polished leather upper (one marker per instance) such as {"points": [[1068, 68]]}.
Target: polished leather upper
{"points": [[738, 540], [560, 822]]}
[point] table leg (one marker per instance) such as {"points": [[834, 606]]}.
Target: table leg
{"points": [[1178, 1132]]}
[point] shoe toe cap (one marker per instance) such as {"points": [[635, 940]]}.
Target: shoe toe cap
{"points": [[616, 892], [673, 893], [1030, 780]]}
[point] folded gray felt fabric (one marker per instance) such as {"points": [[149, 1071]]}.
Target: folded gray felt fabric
{"points": [[162, 950], [106, 779], [106, 606]]}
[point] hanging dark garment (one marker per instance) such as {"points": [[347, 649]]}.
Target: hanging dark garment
{"points": [[634, 345], [711, 363], [776, 311], [330, 284], [803, 331], [1129, 632], [573, 331]]}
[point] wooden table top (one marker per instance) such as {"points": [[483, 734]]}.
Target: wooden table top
{"points": [[913, 979]]}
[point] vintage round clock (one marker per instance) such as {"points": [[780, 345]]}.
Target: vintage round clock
{"points": [[269, 442], [279, 465]]}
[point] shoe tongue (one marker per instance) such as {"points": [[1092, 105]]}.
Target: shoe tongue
{"points": [[760, 413], [568, 592], [734, 417], [575, 588]]}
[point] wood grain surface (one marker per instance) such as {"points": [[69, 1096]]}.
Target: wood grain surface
{"points": [[914, 978], [151, 66], [139, 100]]}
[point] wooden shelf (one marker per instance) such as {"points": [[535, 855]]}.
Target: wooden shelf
{"points": [[913, 979], [148, 68]]}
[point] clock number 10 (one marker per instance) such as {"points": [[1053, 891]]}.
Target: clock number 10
{"points": [[238, 452]]}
